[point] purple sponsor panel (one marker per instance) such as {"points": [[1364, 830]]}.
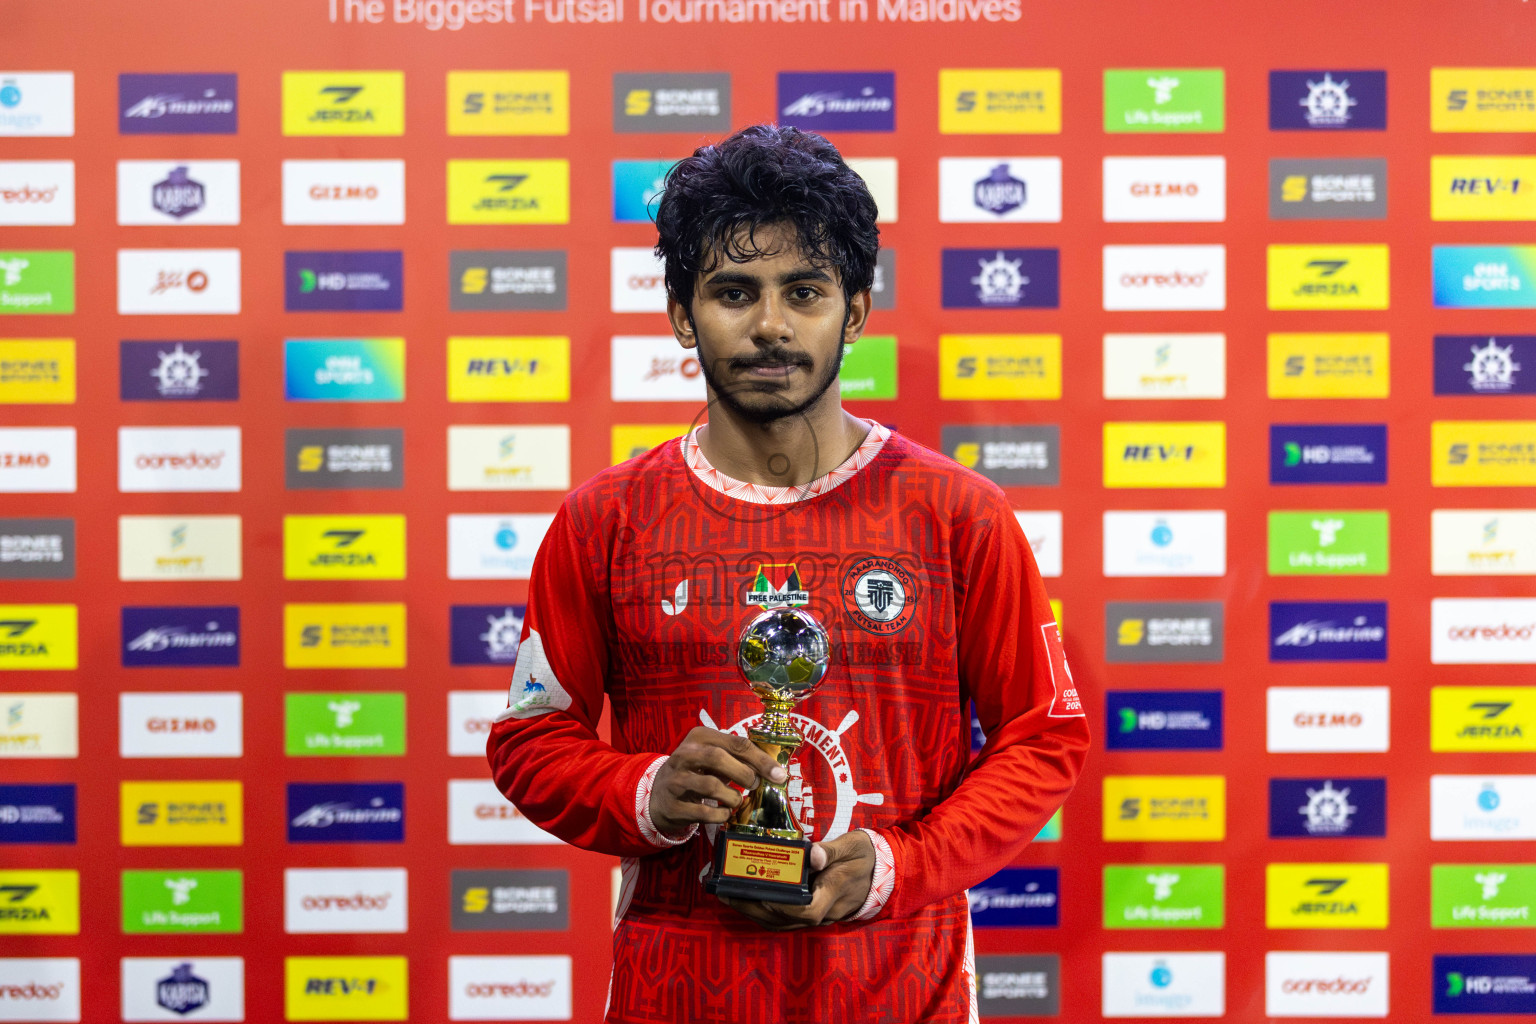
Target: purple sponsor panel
{"points": [[1485, 364], [179, 371], [1001, 279], [485, 634], [344, 281], [838, 101], [189, 104], [1327, 100], [181, 637]]}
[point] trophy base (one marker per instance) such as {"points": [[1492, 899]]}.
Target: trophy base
{"points": [[762, 868]]}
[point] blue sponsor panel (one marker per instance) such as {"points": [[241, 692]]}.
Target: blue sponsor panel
{"points": [[1327, 631], [1327, 808], [1485, 276], [838, 101], [1001, 279], [1017, 898], [1483, 364], [484, 634], [1327, 100], [357, 281], [179, 371], [1328, 453], [197, 104], [37, 814], [346, 812], [637, 187], [1472, 983], [1163, 720], [181, 636]]}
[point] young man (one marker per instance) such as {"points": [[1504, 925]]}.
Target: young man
{"points": [[916, 567]]}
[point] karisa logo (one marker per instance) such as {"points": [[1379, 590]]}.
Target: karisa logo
{"points": [[183, 991], [999, 192], [178, 195]]}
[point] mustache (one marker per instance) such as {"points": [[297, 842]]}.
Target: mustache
{"points": [[757, 362]]}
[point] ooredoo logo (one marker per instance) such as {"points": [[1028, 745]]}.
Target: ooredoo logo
{"points": [[159, 459], [638, 281], [509, 988], [37, 192], [1165, 277], [1332, 984], [1483, 631], [39, 989], [344, 900]]}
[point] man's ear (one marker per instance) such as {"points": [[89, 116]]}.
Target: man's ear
{"points": [[858, 315], [682, 323]]}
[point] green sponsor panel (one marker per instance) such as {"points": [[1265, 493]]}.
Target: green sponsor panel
{"points": [[1051, 832], [344, 724], [37, 282], [178, 902], [1165, 100], [869, 368], [1164, 896], [1328, 543], [1483, 895]]}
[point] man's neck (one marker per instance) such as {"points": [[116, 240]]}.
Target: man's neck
{"points": [[789, 452]]}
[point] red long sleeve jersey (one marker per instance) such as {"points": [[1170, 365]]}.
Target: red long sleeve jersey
{"points": [[919, 571]]}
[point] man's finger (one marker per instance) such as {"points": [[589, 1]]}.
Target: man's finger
{"points": [[723, 764], [757, 757], [695, 787]]}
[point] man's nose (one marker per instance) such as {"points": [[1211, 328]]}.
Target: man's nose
{"points": [[770, 325]]}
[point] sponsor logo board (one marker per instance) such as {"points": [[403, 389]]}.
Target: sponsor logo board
{"points": [[346, 812], [1165, 454], [1328, 100], [179, 371], [345, 988], [1484, 984], [630, 440], [837, 101], [637, 189], [1018, 986], [1001, 279], [181, 813], [1164, 984], [1316, 189], [1165, 189], [344, 901], [1165, 366], [178, 193], [346, 724], [653, 368], [36, 192], [509, 458], [509, 102], [39, 902], [207, 987], [509, 988], [37, 549], [40, 988], [1480, 364], [355, 547], [343, 281], [1334, 984], [509, 192], [1328, 453], [498, 280], [37, 371], [509, 369], [1327, 808], [879, 174], [1482, 718], [1483, 895], [181, 637], [178, 104], [1003, 367], [485, 634], [1324, 543], [1007, 455], [1164, 896], [1017, 898], [1165, 277], [1329, 366], [1163, 720], [1482, 99], [1328, 277], [194, 282], [39, 725], [882, 293], [1163, 631], [1165, 808], [37, 814], [470, 711], [186, 459], [494, 547], [178, 548], [180, 724], [1483, 453], [344, 636], [999, 101], [37, 103], [344, 369], [344, 459], [1327, 631], [1480, 276], [1483, 542], [695, 102], [37, 281], [195, 901], [478, 814], [343, 103], [1482, 807], [1165, 543], [1482, 631], [637, 281], [1327, 719], [39, 636], [1482, 188], [510, 901], [1043, 531], [344, 192], [986, 190], [1164, 100], [869, 368]]}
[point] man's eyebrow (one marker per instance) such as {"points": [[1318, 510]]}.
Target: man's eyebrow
{"points": [[789, 277]]}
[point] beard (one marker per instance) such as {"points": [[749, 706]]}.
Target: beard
{"points": [[760, 405]]}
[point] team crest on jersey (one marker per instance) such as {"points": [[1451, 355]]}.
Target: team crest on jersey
{"points": [[1066, 703], [777, 585], [880, 595]]}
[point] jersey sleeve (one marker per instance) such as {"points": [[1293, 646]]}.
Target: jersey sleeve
{"points": [[544, 750], [1013, 667]]}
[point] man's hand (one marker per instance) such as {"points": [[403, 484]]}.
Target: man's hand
{"points": [[698, 770], [843, 871]]}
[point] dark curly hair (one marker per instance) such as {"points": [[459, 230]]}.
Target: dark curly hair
{"points": [[716, 200]]}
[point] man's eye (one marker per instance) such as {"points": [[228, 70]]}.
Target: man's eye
{"points": [[805, 292], [732, 294]]}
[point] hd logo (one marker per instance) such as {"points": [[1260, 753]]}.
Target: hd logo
{"points": [[364, 547], [319, 988], [1328, 277], [1482, 718], [39, 902], [1325, 896], [509, 192], [343, 103], [344, 636]]}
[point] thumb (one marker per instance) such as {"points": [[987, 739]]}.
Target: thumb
{"points": [[820, 856]]}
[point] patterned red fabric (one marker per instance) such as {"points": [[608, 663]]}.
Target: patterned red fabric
{"points": [[925, 583]]}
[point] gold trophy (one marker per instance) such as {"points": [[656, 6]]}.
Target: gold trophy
{"points": [[762, 853]]}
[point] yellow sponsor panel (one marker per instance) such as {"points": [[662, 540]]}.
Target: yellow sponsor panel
{"points": [[1165, 455], [43, 902], [1165, 808], [37, 371], [509, 103], [181, 813], [344, 635], [344, 988], [1482, 99], [534, 369], [39, 636], [343, 103], [1056, 614], [1482, 453], [1496, 718], [632, 439], [509, 192], [1006, 367], [1325, 895], [369, 547], [1328, 277], [1329, 366], [1482, 187], [1000, 101]]}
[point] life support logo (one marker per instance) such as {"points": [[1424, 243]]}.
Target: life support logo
{"points": [[880, 595], [1066, 703]]}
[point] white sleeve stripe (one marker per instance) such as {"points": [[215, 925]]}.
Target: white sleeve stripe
{"points": [[883, 881], [648, 829]]}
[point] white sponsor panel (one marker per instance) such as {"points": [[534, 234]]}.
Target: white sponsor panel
{"points": [[1165, 366], [1325, 984], [343, 191], [494, 547], [183, 988], [509, 458], [655, 368], [37, 460], [39, 725], [158, 459], [178, 548], [178, 193], [1165, 277], [1482, 631], [37, 103], [1043, 530], [344, 901], [178, 281], [469, 720], [180, 725], [638, 282], [39, 988], [37, 192], [1165, 543], [509, 988], [879, 173], [479, 815], [986, 190], [1330, 719], [1483, 807], [1164, 984], [1165, 189], [1483, 542]]}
